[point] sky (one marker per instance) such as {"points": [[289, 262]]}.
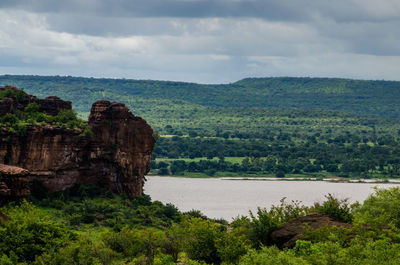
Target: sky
{"points": [[204, 41]]}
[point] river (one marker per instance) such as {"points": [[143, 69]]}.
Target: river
{"points": [[223, 198]]}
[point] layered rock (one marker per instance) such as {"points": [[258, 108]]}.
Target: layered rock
{"points": [[122, 138], [14, 183], [53, 105], [116, 156]]}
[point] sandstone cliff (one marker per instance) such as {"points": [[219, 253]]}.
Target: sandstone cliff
{"points": [[116, 156], [14, 183]]}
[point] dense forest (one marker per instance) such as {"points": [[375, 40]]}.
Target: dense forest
{"points": [[316, 127], [88, 225]]}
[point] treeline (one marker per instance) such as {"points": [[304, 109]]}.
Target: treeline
{"points": [[88, 225], [345, 155], [360, 97]]}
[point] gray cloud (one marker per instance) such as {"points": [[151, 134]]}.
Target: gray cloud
{"points": [[286, 10], [201, 40], [283, 9]]}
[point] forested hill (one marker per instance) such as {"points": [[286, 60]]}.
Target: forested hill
{"points": [[283, 126], [359, 97]]}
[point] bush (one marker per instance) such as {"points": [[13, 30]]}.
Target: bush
{"points": [[87, 132], [195, 214], [30, 232], [135, 243], [9, 119], [200, 241], [32, 108], [286, 212], [384, 203], [270, 256], [280, 174], [231, 246], [19, 95], [338, 209], [82, 252], [65, 116], [261, 227]]}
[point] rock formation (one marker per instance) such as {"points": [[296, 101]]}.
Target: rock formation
{"points": [[287, 235], [116, 156], [50, 105], [14, 183]]}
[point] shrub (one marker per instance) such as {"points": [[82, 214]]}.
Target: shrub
{"points": [[171, 212], [280, 174], [383, 203], [30, 232], [200, 241], [19, 95], [270, 256], [82, 252], [338, 209], [261, 227], [9, 119], [65, 116], [135, 243], [195, 214], [87, 132], [32, 108], [230, 247], [286, 212]]}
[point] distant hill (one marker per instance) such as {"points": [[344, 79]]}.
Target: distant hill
{"points": [[251, 104], [366, 98]]}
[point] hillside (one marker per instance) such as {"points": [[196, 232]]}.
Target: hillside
{"points": [[366, 98], [307, 126]]}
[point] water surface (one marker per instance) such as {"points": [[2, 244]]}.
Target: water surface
{"points": [[223, 198]]}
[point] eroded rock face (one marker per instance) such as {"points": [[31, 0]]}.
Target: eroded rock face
{"points": [[116, 157], [14, 183], [53, 105], [287, 235], [121, 137]]}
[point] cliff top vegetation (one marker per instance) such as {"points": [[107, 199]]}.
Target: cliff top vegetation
{"points": [[19, 109]]}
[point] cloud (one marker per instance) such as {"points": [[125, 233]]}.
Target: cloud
{"points": [[282, 10], [201, 40]]}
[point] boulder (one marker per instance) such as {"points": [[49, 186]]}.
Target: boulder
{"points": [[287, 235]]}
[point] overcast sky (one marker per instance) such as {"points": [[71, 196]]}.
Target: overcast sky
{"points": [[206, 41]]}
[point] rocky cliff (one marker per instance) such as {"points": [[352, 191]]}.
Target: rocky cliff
{"points": [[115, 156], [14, 183]]}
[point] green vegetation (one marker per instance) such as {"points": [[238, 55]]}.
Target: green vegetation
{"points": [[89, 225], [18, 95], [309, 127], [18, 120], [258, 126], [346, 155]]}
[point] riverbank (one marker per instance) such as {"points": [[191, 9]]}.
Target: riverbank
{"points": [[289, 178]]}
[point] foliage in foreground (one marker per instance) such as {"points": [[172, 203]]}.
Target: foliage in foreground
{"points": [[65, 228]]}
